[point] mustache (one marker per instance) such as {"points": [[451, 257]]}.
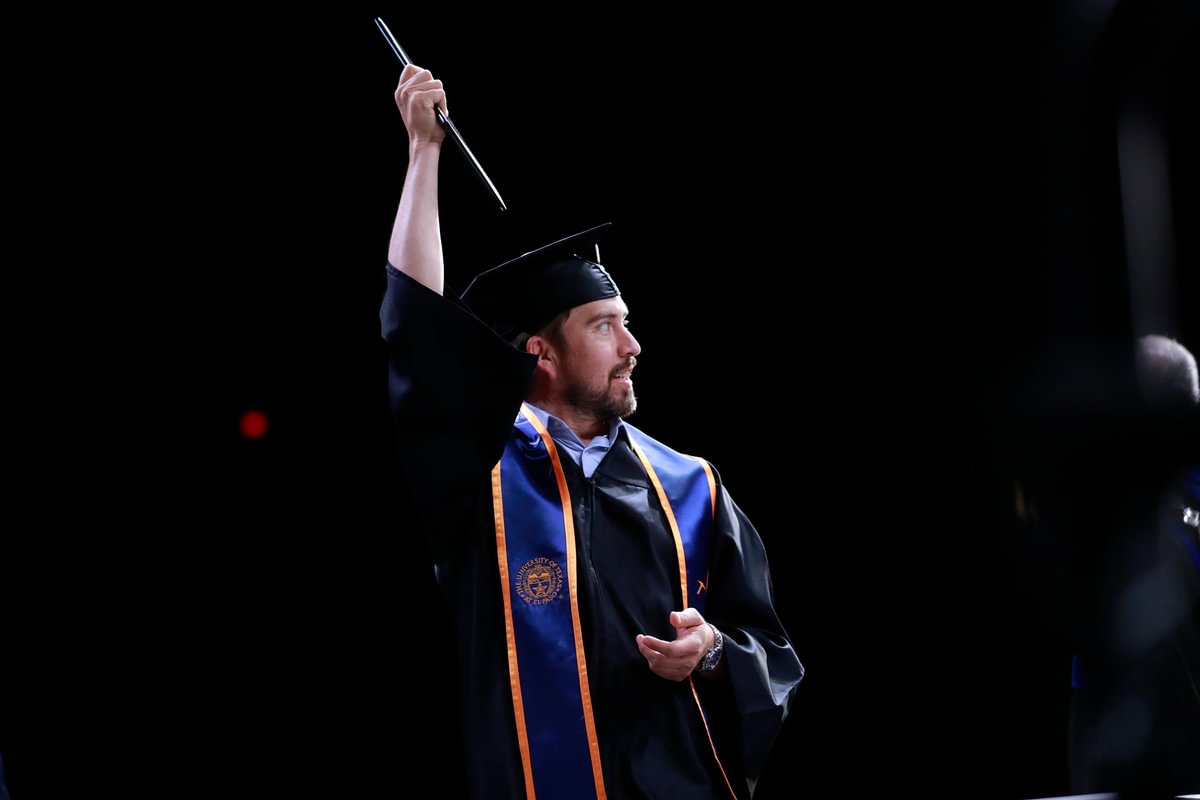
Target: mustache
{"points": [[627, 366]]}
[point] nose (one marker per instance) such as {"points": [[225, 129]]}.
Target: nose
{"points": [[629, 345]]}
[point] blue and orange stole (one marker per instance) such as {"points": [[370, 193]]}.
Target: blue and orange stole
{"points": [[535, 543]]}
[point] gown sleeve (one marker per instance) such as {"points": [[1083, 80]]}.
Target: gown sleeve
{"points": [[455, 387], [763, 668]]}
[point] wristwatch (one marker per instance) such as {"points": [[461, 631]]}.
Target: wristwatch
{"points": [[713, 656]]}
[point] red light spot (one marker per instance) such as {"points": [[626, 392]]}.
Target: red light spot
{"points": [[254, 424]]}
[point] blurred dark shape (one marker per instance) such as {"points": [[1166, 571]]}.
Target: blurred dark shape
{"points": [[1104, 435], [1166, 373]]}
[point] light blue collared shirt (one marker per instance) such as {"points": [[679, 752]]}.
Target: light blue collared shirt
{"points": [[587, 457]]}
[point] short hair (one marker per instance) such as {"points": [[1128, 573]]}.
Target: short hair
{"points": [[1166, 372], [552, 331]]}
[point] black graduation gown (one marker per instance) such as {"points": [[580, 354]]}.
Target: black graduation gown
{"points": [[456, 388]]}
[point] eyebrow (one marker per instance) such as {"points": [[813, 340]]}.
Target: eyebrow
{"points": [[607, 315]]}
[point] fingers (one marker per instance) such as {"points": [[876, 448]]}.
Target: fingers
{"points": [[662, 662], [417, 94], [676, 660], [660, 647], [414, 74], [419, 86], [426, 94], [688, 618], [688, 647]]}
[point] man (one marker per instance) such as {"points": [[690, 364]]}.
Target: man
{"points": [[613, 606]]}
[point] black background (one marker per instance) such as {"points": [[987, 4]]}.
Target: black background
{"points": [[868, 254]]}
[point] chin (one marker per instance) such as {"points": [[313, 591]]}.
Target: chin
{"points": [[625, 406]]}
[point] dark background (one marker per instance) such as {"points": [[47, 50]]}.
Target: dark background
{"points": [[874, 258]]}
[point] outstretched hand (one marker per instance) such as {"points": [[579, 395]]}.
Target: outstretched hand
{"points": [[676, 660]]}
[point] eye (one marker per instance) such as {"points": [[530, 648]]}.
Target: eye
{"points": [[605, 326]]}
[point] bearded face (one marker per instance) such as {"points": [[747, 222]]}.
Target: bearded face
{"points": [[599, 354], [603, 397]]}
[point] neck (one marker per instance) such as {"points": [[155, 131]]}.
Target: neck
{"points": [[585, 426]]}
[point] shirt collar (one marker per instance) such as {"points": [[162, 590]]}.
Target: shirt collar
{"points": [[560, 431]]}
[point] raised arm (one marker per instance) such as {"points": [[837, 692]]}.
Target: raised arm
{"points": [[416, 245]]}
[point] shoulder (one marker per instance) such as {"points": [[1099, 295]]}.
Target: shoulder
{"points": [[642, 439], [656, 449]]}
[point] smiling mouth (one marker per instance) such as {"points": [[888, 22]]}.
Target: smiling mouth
{"points": [[626, 371]]}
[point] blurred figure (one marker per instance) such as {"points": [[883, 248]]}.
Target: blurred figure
{"points": [[1135, 706]]}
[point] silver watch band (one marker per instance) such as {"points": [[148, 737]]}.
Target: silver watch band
{"points": [[713, 656]]}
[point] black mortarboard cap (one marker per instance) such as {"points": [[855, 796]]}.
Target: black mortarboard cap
{"points": [[522, 295]]}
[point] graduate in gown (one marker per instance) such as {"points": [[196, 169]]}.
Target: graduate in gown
{"points": [[613, 606]]}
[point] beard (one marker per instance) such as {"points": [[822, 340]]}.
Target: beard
{"points": [[599, 402]]}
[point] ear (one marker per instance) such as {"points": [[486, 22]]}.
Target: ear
{"points": [[547, 357]]}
